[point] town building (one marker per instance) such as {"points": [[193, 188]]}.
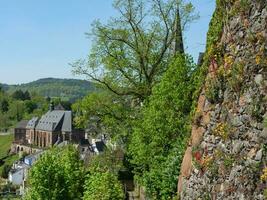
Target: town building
{"points": [[52, 128], [17, 174], [20, 131]]}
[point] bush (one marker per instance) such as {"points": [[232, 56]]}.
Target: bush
{"points": [[103, 186], [58, 174], [5, 170]]}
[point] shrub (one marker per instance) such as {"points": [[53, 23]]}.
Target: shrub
{"points": [[102, 186], [5, 170]]}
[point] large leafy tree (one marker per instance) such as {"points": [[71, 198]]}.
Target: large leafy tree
{"points": [[131, 51], [57, 175], [103, 186], [157, 143], [129, 55], [4, 106], [102, 178], [114, 113]]}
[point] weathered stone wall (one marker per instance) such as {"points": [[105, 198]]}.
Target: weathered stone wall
{"points": [[227, 152]]}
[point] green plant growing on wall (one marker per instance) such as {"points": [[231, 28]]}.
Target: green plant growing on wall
{"points": [[255, 109], [236, 77], [228, 161], [222, 130], [213, 87]]}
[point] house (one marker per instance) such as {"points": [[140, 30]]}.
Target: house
{"points": [[18, 173], [31, 159], [20, 132]]}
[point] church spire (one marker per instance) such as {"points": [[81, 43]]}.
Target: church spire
{"points": [[177, 44]]}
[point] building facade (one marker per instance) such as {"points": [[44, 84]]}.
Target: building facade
{"points": [[20, 132], [55, 126]]}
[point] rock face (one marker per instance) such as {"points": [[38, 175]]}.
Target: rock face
{"points": [[227, 153]]}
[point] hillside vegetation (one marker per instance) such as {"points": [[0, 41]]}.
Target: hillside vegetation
{"points": [[5, 143], [66, 89], [6, 160]]}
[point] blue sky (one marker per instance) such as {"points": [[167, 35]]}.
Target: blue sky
{"points": [[39, 38]]}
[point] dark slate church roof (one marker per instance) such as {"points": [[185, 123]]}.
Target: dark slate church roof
{"points": [[67, 122], [32, 123], [22, 124], [55, 120]]}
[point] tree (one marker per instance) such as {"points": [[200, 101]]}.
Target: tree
{"points": [[4, 106], [30, 106], [103, 186], [5, 170], [17, 110], [113, 111], [162, 129], [4, 122], [26, 95], [57, 175], [18, 95], [131, 52]]}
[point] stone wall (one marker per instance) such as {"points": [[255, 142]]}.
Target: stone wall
{"points": [[227, 152]]}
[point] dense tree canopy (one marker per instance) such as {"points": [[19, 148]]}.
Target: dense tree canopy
{"points": [[58, 174], [160, 132], [103, 186]]}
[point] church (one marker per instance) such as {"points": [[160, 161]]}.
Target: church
{"points": [[52, 128]]}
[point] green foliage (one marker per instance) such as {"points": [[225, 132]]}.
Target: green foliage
{"points": [[132, 50], [20, 105], [161, 131], [8, 161], [5, 143], [20, 95], [115, 115], [214, 50], [213, 87], [102, 178], [236, 77], [109, 160], [66, 89], [5, 170], [57, 175], [216, 24], [102, 186], [4, 106]]}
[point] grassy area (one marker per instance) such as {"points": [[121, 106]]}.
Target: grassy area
{"points": [[10, 160], [5, 143]]}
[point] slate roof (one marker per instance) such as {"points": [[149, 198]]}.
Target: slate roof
{"points": [[55, 120], [35, 155], [22, 124], [32, 123], [67, 122]]}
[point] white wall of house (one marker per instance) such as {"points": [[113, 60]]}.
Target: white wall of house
{"points": [[17, 177]]}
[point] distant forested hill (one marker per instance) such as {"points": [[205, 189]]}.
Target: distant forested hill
{"points": [[66, 89]]}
